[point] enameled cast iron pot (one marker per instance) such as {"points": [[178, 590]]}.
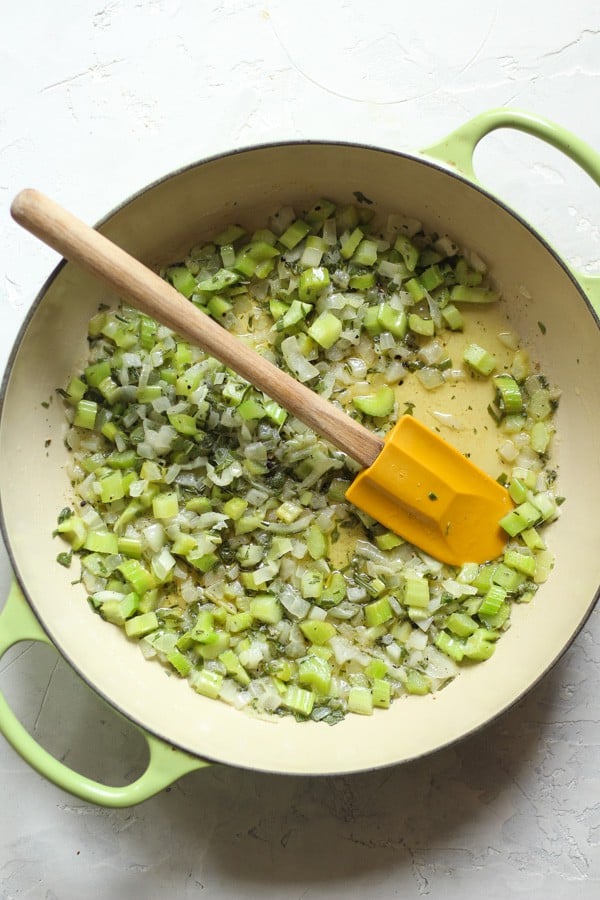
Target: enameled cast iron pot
{"points": [[184, 730]]}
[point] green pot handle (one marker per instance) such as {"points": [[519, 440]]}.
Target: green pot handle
{"points": [[166, 763], [458, 148]]}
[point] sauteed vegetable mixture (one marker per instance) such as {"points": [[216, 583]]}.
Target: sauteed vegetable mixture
{"points": [[211, 526]]}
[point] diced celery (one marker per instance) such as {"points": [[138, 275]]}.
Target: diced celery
{"points": [[416, 683], [416, 591], [393, 320], [334, 591], [165, 506], [360, 701], [453, 317], [461, 293], [415, 289], [139, 626], [294, 234], [326, 329], [420, 325], [298, 700], [207, 682], [365, 254], [350, 243], [461, 624], [378, 404], [480, 360], [378, 612], [266, 608], [316, 542], [316, 631], [312, 282], [311, 584], [101, 542], [450, 645], [85, 415], [382, 693], [182, 280]]}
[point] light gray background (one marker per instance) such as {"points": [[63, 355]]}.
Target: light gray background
{"points": [[97, 99]]}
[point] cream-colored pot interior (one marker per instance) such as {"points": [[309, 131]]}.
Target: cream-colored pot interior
{"points": [[158, 226]]}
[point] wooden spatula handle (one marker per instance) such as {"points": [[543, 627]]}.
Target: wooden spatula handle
{"points": [[130, 279]]}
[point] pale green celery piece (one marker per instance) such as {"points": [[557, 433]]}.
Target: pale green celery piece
{"points": [[138, 577], [288, 512], [388, 540], [452, 316], [180, 663], [296, 312], [533, 540], [266, 608], [95, 373], [85, 415], [465, 275], [378, 404], [362, 281], [165, 506], [360, 701], [311, 584], [183, 423], [393, 320], [234, 667], [298, 700], [235, 507], [378, 612], [480, 645], [320, 211], [540, 436], [350, 243], [416, 592], [493, 600], [517, 490], [73, 530], [451, 646], [334, 591], [417, 683], [508, 394], [522, 562], [415, 289], [479, 359], [217, 306], [365, 254], [142, 625], [104, 542], [312, 282], [326, 329], [294, 234], [229, 235], [316, 542], [420, 325], [222, 279], [431, 278], [207, 682], [316, 631], [461, 624], [461, 293], [237, 622], [382, 693], [182, 280], [408, 251], [251, 408]]}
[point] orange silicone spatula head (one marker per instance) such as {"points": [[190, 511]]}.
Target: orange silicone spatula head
{"points": [[426, 491]]}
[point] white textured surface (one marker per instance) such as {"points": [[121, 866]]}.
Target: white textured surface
{"points": [[97, 99]]}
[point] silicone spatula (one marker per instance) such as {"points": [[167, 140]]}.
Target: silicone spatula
{"points": [[413, 482]]}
